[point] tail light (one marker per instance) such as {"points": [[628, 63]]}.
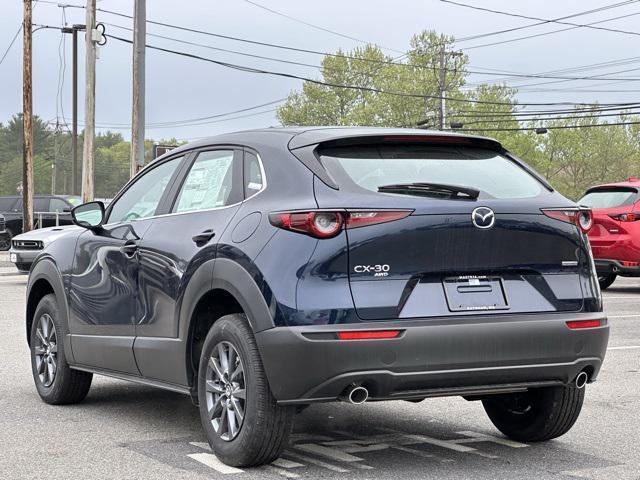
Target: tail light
{"points": [[627, 217], [580, 217], [328, 224]]}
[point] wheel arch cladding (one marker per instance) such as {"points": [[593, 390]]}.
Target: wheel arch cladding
{"points": [[45, 279], [232, 290]]}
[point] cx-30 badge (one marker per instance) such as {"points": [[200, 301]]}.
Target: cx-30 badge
{"points": [[483, 217]]}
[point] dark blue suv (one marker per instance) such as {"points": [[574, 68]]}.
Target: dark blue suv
{"points": [[264, 270]]}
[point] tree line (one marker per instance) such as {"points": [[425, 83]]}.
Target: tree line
{"points": [[571, 159]]}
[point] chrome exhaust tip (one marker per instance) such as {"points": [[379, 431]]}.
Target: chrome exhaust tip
{"points": [[581, 380], [355, 394]]}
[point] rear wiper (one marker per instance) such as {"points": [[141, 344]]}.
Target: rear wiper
{"points": [[431, 189]]}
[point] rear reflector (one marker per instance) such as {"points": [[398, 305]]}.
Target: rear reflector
{"points": [[578, 324], [626, 217], [368, 334]]}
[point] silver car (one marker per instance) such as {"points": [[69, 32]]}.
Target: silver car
{"points": [[26, 246]]}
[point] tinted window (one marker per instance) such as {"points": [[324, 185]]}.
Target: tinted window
{"points": [[209, 183], [373, 166], [141, 199], [609, 198], [253, 180], [6, 204], [41, 205], [58, 205]]}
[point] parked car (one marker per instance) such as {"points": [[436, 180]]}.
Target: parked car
{"points": [[49, 211], [2, 225], [27, 246], [615, 236], [266, 270]]}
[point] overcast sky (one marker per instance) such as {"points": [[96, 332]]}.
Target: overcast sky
{"points": [[180, 88]]}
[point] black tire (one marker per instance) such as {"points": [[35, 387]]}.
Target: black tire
{"points": [[68, 386], [265, 427], [606, 281], [5, 240], [537, 415]]}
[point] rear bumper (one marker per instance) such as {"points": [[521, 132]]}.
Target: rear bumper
{"points": [[607, 267], [431, 357]]}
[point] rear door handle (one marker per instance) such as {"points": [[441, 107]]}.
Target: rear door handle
{"points": [[203, 238], [130, 248]]}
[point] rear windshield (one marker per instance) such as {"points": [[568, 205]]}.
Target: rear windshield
{"points": [[487, 171], [609, 198]]}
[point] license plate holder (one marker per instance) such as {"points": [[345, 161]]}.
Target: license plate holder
{"points": [[13, 257], [475, 293]]}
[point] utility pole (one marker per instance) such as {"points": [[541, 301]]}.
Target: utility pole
{"points": [[89, 103], [442, 85], [137, 107], [27, 126], [75, 188]]}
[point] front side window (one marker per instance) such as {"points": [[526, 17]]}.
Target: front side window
{"points": [[209, 183], [375, 166], [59, 205], [141, 199]]}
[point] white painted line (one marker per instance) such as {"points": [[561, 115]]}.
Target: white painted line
{"points": [[625, 297], [332, 453], [415, 439], [284, 463], [202, 445], [481, 437], [624, 347], [623, 316], [211, 461], [316, 462], [280, 471], [366, 448]]}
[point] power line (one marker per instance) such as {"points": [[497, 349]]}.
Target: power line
{"points": [[537, 113], [317, 27], [545, 20], [549, 119], [548, 127], [335, 85]]}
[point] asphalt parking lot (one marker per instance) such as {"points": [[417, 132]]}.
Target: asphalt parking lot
{"points": [[124, 430]]}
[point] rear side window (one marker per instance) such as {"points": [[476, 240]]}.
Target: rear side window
{"points": [[609, 198], [253, 181], [374, 166], [209, 183]]}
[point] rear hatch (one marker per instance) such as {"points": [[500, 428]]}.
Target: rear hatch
{"points": [[476, 240], [614, 216]]}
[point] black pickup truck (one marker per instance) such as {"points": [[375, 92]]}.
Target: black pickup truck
{"points": [[45, 207]]}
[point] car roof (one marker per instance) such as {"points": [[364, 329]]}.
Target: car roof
{"points": [[297, 137]]}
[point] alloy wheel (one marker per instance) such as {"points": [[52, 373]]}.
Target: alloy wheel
{"points": [[225, 391], [46, 350]]}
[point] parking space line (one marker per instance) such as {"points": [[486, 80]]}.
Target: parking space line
{"points": [[332, 453], [284, 463], [410, 439], [211, 461], [316, 462], [624, 316], [481, 437], [202, 445], [624, 347], [280, 471]]}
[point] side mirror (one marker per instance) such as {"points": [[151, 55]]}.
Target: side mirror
{"points": [[89, 215]]}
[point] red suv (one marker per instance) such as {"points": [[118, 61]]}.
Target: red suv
{"points": [[615, 235]]}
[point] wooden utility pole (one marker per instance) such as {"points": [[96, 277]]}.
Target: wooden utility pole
{"points": [[442, 106], [27, 126], [137, 107], [89, 104]]}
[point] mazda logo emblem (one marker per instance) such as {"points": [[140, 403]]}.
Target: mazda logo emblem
{"points": [[483, 217]]}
